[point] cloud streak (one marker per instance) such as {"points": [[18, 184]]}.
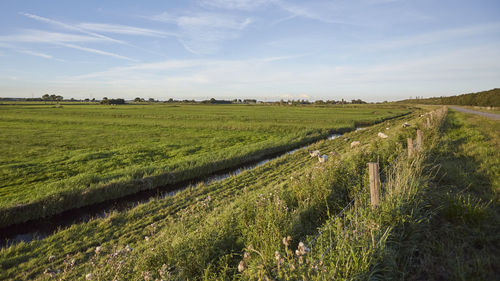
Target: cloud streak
{"points": [[124, 29], [36, 54], [40, 36], [71, 27], [202, 33], [96, 51]]}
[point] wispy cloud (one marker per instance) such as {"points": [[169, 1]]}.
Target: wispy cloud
{"points": [[124, 29], [59, 39], [40, 36], [325, 12], [181, 66], [96, 51], [235, 4], [204, 20], [438, 36], [202, 33], [36, 54], [70, 27]]}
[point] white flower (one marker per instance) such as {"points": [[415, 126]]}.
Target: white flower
{"points": [[242, 266], [89, 276]]}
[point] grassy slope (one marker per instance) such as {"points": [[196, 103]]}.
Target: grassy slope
{"points": [[450, 230], [462, 239], [194, 232], [439, 217], [59, 158]]}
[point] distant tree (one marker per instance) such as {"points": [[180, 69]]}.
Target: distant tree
{"points": [[138, 99], [105, 100], [170, 100], [151, 100], [358, 101], [485, 98], [46, 97], [116, 101]]}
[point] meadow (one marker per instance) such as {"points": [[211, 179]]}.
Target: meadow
{"points": [[201, 233], [58, 157], [294, 218]]}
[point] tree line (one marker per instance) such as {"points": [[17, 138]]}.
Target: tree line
{"points": [[484, 98]]}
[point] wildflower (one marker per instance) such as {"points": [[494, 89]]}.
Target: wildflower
{"points": [[286, 241], [89, 276], [303, 249], [52, 258], [246, 255], [50, 272], [163, 270], [97, 250], [146, 275], [277, 256], [242, 266], [128, 248], [146, 238]]}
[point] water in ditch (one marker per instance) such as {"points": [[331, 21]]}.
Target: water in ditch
{"points": [[41, 228]]}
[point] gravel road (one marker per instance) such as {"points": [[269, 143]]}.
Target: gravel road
{"points": [[488, 115]]}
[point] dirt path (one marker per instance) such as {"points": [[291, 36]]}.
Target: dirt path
{"points": [[488, 115]]}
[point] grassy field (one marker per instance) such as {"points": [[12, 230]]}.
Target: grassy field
{"points": [[201, 233], [60, 157], [438, 218]]}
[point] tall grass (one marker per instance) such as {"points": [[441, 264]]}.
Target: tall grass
{"points": [[351, 245]]}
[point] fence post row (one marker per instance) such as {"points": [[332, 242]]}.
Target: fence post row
{"points": [[419, 140], [373, 171], [428, 123], [410, 147]]}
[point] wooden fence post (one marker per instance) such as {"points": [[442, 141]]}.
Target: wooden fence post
{"points": [[410, 147], [419, 140], [374, 184], [428, 123]]}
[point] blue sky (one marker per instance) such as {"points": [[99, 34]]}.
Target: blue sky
{"points": [[266, 49]]}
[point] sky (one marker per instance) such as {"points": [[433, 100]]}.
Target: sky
{"points": [[375, 50]]}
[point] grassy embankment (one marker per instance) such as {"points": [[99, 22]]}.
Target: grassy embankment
{"points": [[439, 218], [57, 158], [202, 232]]}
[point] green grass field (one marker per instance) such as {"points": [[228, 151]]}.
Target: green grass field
{"points": [[438, 217], [60, 157], [200, 233]]}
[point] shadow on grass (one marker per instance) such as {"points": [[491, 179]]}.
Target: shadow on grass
{"points": [[452, 229]]}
